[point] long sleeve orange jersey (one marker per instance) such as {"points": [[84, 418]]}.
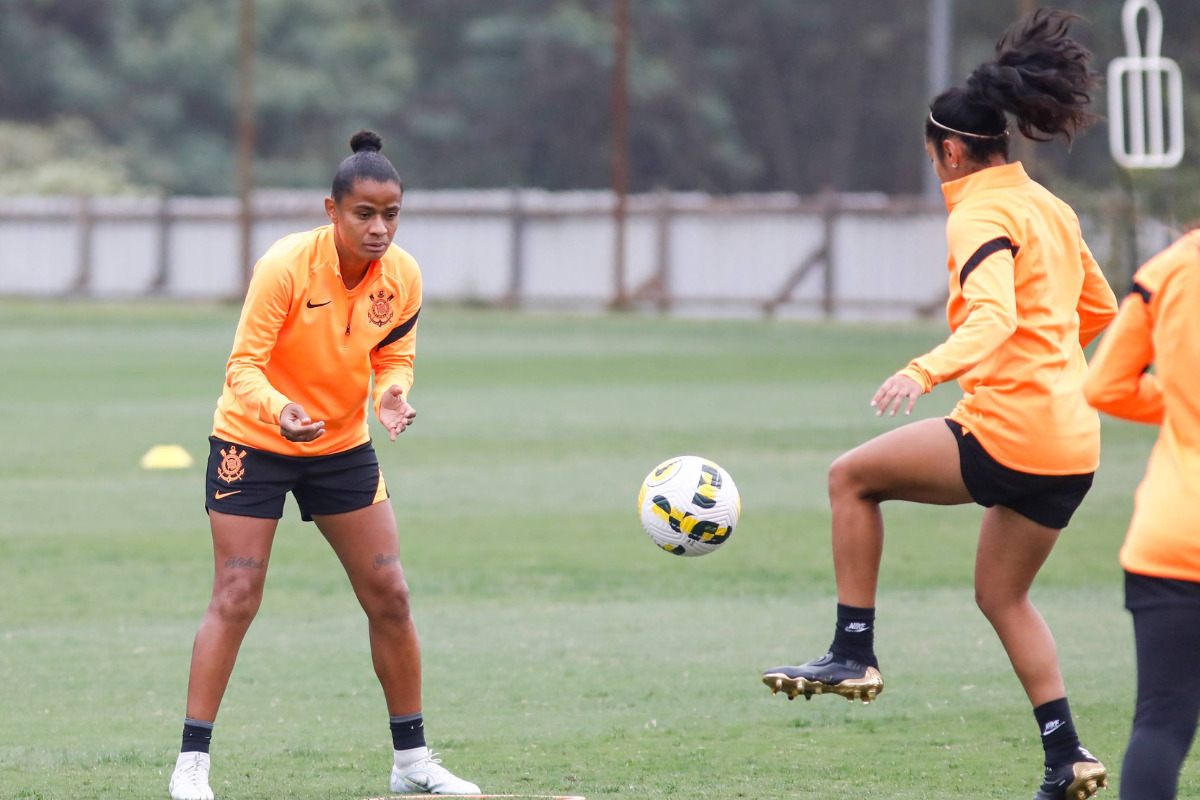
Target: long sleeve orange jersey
{"points": [[1025, 297], [1159, 324], [304, 338]]}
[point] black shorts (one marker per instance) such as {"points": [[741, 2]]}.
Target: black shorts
{"points": [[1149, 591], [252, 483], [1048, 500]]}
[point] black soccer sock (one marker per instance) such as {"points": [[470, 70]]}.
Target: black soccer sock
{"points": [[1059, 738], [197, 736], [854, 638], [408, 732]]}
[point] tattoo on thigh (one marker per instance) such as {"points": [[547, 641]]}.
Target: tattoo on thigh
{"points": [[381, 560], [242, 562]]}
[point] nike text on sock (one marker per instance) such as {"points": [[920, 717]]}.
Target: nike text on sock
{"points": [[854, 636]]}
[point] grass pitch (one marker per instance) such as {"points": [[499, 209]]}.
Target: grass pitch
{"points": [[563, 653]]}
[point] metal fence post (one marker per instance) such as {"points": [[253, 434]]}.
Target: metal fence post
{"points": [[516, 249], [162, 225], [829, 218], [85, 223], [665, 219]]}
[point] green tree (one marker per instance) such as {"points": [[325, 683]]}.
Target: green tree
{"points": [[66, 157]]}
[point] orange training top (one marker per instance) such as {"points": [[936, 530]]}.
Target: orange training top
{"points": [[1025, 297], [1159, 323], [304, 338]]}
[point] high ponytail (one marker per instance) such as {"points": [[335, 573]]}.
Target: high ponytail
{"points": [[1040, 76]]}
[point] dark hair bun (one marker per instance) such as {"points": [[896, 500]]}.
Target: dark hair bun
{"points": [[366, 140]]}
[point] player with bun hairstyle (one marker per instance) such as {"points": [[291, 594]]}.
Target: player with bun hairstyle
{"points": [[1025, 297], [327, 314], [1159, 324]]}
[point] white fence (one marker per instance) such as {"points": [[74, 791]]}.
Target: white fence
{"points": [[841, 255]]}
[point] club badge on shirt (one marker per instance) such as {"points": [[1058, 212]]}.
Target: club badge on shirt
{"points": [[380, 310]]}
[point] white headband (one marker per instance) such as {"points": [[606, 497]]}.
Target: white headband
{"points": [[964, 133]]}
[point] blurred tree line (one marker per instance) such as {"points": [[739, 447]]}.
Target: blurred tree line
{"points": [[726, 95]]}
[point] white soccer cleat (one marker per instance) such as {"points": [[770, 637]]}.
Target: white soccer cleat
{"points": [[190, 779], [427, 776]]}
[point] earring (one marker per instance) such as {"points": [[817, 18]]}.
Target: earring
{"points": [[954, 165]]}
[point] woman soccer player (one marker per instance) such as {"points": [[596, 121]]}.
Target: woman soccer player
{"points": [[325, 311], [1159, 323], [1025, 297]]}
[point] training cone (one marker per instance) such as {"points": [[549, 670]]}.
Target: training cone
{"points": [[166, 456]]}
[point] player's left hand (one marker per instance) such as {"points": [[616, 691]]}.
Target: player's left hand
{"points": [[394, 411], [892, 394]]}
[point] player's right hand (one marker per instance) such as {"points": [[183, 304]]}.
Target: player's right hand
{"points": [[892, 394], [295, 425]]}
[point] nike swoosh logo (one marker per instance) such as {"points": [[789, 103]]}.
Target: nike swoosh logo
{"points": [[223, 495], [423, 785], [311, 304]]}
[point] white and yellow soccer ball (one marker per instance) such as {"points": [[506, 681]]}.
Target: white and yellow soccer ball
{"points": [[689, 505]]}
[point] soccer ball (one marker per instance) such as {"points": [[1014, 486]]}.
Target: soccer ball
{"points": [[689, 506]]}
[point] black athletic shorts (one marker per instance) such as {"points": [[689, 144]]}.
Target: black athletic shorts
{"points": [[1149, 591], [252, 483], [1048, 500]]}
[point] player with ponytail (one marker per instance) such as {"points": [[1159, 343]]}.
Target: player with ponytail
{"points": [[1025, 297]]}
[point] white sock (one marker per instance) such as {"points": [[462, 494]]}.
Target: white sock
{"points": [[406, 758]]}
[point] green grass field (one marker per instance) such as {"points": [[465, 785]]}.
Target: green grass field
{"points": [[563, 653]]}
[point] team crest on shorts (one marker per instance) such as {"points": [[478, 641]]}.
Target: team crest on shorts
{"points": [[380, 311], [231, 468]]}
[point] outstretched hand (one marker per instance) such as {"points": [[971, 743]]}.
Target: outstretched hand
{"points": [[295, 425], [394, 411], [892, 394]]}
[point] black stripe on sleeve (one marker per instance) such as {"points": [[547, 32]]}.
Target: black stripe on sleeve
{"points": [[1142, 291], [985, 250], [399, 332]]}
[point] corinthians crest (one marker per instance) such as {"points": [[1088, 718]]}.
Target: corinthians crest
{"points": [[231, 468], [380, 311]]}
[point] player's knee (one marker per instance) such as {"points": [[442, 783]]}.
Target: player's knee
{"points": [[845, 479], [236, 602], [982, 600], [993, 601], [389, 603]]}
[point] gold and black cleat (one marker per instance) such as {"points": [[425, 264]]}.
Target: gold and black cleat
{"points": [[1077, 781], [826, 675]]}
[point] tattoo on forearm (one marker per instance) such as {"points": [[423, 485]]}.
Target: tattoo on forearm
{"points": [[242, 562], [381, 560]]}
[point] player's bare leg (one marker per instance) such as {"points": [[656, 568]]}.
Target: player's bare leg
{"points": [[367, 543], [241, 550], [919, 463], [1011, 551]]}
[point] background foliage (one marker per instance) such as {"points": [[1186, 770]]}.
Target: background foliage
{"points": [[727, 96]]}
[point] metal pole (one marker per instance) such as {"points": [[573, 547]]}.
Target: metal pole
{"points": [[162, 224], [937, 69], [663, 269], [245, 135], [620, 145], [85, 223], [516, 250]]}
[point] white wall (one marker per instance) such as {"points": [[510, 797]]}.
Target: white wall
{"points": [[717, 255]]}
